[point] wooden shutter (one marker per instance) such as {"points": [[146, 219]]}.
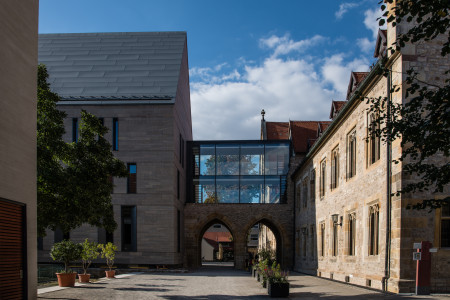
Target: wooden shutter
{"points": [[11, 250]]}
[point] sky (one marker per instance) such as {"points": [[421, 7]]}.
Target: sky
{"points": [[288, 57]]}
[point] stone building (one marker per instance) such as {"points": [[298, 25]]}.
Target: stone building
{"points": [[138, 84], [348, 226], [18, 70]]}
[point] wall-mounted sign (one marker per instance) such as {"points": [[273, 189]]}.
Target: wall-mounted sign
{"points": [[417, 246], [417, 256], [433, 250]]}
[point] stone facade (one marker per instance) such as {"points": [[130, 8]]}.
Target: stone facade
{"points": [[18, 70], [367, 253], [152, 135]]}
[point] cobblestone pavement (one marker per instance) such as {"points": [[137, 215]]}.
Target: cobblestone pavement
{"points": [[216, 283]]}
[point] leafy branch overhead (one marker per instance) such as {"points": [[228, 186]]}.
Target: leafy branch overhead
{"points": [[73, 179], [422, 121]]}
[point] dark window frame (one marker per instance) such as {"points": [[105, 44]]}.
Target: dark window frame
{"points": [[131, 180], [115, 134]]}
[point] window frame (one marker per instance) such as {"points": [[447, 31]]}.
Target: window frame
{"points": [[129, 179], [374, 230], [351, 154], [323, 175], [373, 139], [352, 234], [334, 168]]}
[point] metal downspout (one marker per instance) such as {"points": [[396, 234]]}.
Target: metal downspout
{"points": [[387, 271]]}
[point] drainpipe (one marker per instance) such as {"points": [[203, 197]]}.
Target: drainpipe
{"points": [[387, 271]]}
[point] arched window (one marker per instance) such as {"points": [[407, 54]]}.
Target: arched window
{"points": [[374, 139], [374, 217], [351, 154], [335, 168]]}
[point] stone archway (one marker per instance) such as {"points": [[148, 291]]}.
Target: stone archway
{"points": [[205, 228], [238, 218]]}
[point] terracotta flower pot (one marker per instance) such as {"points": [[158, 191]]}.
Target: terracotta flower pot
{"points": [[110, 274], [84, 278], [66, 279]]}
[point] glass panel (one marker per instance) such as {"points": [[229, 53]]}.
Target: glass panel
{"points": [[227, 189], [207, 190], [207, 160], [251, 159], [132, 168], [272, 189], [276, 159], [227, 159], [252, 189]]}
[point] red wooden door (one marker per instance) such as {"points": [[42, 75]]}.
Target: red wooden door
{"points": [[11, 250]]}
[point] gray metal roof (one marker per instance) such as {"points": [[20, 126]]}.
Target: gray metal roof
{"points": [[120, 66]]}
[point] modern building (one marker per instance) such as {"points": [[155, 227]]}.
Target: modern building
{"points": [[349, 225], [18, 86], [138, 84]]}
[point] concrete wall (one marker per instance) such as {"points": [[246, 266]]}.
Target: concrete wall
{"points": [[18, 71]]}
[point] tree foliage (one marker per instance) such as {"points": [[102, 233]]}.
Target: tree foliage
{"points": [[422, 121], [73, 179], [66, 251]]}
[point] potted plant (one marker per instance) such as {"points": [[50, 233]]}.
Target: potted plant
{"points": [[278, 282], [66, 251], [108, 251], [88, 254]]}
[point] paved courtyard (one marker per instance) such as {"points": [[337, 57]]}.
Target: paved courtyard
{"points": [[215, 283]]}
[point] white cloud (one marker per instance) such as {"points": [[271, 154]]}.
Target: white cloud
{"points": [[371, 22], [228, 105], [337, 72], [344, 7], [366, 45], [285, 45]]}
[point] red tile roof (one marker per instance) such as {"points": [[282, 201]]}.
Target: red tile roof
{"points": [[323, 125], [222, 237], [355, 79], [301, 132], [336, 107], [277, 130]]}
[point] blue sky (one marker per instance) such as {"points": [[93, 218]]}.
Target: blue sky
{"points": [[288, 57]]}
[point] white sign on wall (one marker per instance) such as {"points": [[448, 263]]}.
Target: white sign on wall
{"points": [[417, 246]]}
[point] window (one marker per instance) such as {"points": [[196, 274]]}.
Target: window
{"points": [[351, 154], [335, 168], [104, 236], [254, 237], [445, 226], [217, 226], [75, 130], [297, 194], [129, 228], [373, 139], [335, 245], [305, 192], [373, 229], [311, 245], [60, 235], [304, 237], [322, 239], [351, 233], [178, 231], [115, 137], [312, 185], [131, 182], [323, 166], [178, 184]]}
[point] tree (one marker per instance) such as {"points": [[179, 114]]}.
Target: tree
{"points": [[422, 122], [74, 179]]}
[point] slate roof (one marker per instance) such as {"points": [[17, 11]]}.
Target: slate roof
{"points": [[117, 66]]}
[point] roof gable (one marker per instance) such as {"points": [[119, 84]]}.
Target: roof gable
{"points": [[124, 65], [336, 106], [355, 79], [301, 133], [381, 44]]}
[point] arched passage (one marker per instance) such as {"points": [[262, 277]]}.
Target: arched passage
{"points": [[266, 224], [213, 237]]}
